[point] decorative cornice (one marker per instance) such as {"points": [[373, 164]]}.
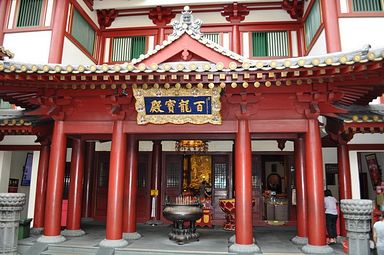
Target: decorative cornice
{"points": [[187, 23], [235, 13], [5, 53], [161, 16], [106, 17], [295, 8]]}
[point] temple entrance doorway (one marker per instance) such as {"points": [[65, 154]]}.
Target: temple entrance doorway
{"points": [[204, 176]]}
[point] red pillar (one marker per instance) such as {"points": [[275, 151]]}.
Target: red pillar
{"points": [[243, 190], [236, 39], [41, 188], [331, 25], [345, 189], [114, 228], [315, 190], [60, 13], [156, 184], [301, 201], [160, 35], [75, 189], [130, 190], [52, 220], [88, 170], [3, 18]]}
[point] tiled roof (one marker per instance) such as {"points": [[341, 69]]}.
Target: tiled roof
{"points": [[363, 114], [191, 27], [251, 65]]}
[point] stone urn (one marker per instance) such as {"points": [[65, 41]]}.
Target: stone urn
{"points": [[357, 215], [11, 205]]}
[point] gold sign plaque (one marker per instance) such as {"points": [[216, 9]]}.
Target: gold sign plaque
{"points": [[178, 105]]}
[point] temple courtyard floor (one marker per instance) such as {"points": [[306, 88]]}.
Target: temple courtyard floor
{"points": [[271, 240]]}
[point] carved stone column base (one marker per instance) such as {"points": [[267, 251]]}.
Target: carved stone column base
{"points": [[299, 240], [73, 232], [244, 248], [232, 239], [315, 249], [131, 236], [51, 239], [113, 243]]}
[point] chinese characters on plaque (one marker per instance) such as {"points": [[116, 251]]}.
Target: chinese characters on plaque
{"points": [[178, 106]]}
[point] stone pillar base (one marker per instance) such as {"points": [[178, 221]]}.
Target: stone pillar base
{"points": [[299, 240], [315, 249], [131, 236], [36, 231], [154, 222], [73, 232], [113, 243], [232, 239], [87, 220], [244, 248], [51, 239]]}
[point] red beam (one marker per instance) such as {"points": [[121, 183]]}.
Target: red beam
{"points": [[88, 127], [278, 126], [226, 127], [20, 147], [366, 147]]}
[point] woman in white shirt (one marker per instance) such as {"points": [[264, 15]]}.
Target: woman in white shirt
{"points": [[330, 215]]}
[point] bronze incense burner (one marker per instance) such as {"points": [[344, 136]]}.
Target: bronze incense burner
{"points": [[184, 214]]}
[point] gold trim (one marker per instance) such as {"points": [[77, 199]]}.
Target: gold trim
{"points": [[143, 118]]}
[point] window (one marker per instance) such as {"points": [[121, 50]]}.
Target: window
{"points": [[173, 175], [29, 14], [270, 44], [367, 5], [83, 32], [312, 23], [214, 37], [220, 171], [127, 48]]}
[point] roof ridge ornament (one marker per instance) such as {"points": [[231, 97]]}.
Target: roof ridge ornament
{"points": [[186, 23]]}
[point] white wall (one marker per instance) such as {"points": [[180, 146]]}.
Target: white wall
{"points": [[212, 146], [5, 168], [357, 32], [330, 157], [19, 140], [367, 139], [29, 47], [320, 47], [17, 163], [32, 188], [73, 55]]}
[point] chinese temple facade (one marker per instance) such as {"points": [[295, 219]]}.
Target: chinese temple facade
{"points": [[133, 104]]}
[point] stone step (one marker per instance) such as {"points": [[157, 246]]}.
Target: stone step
{"points": [[66, 250]]}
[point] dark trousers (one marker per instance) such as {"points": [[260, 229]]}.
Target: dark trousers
{"points": [[331, 225]]}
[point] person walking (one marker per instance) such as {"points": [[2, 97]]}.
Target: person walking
{"points": [[330, 215], [378, 235]]}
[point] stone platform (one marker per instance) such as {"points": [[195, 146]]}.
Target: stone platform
{"points": [[271, 240]]}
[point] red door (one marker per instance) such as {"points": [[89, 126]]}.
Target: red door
{"points": [[100, 188], [172, 177], [143, 187], [221, 178]]}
